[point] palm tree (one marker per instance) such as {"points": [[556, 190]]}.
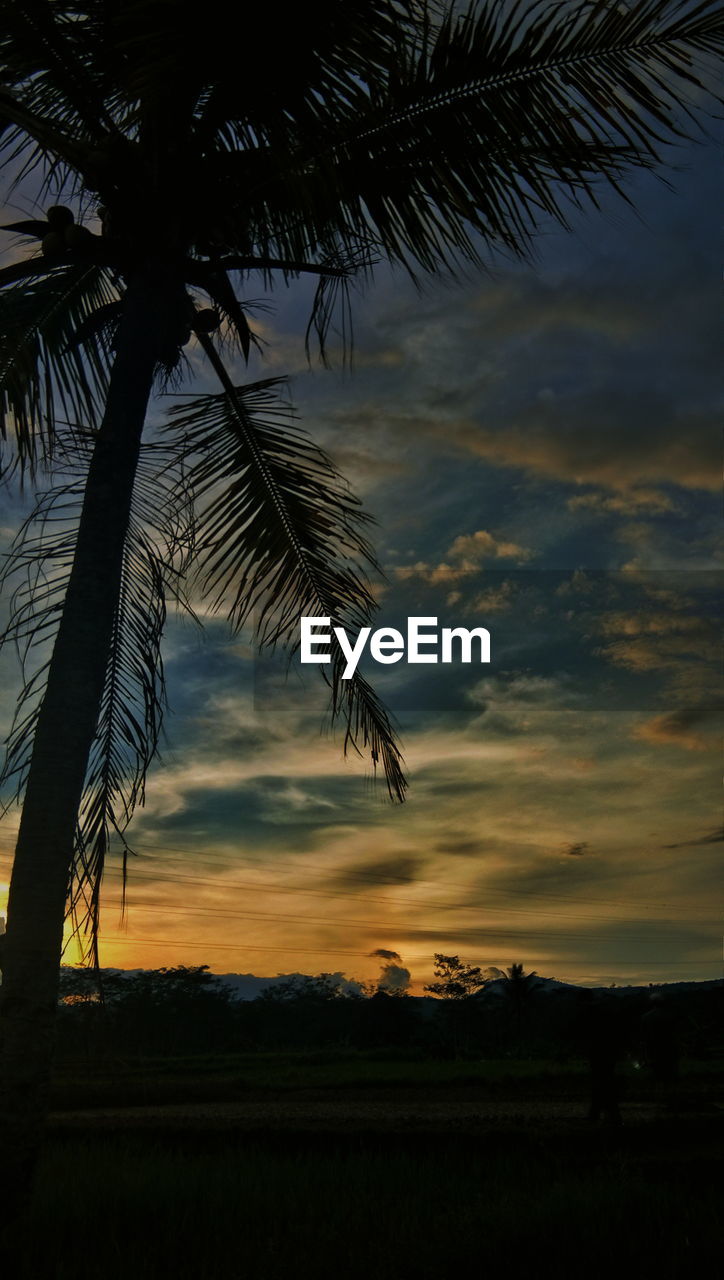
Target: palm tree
{"points": [[519, 987], [353, 131]]}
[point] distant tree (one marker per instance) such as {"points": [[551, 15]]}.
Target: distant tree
{"points": [[315, 988], [167, 1010], [518, 987], [305, 1011], [520, 980], [389, 1019], [455, 979], [79, 985], [456, 983]]}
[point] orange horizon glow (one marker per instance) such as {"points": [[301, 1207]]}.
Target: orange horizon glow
{"points": [[262, 931]]}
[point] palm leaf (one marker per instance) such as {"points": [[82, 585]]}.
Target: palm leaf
{"points": [[45, 46], [157, 546], [46, 376], [490, 121], [217, 285], [279, 537]]}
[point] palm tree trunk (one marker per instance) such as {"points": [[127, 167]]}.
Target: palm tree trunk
{"points": [[62, 743]]}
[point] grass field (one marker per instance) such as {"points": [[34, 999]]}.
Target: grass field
{"points": [[148, 1081], [137, 1206], [346, 1165]]}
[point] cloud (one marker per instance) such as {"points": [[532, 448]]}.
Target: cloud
{"points": [[576, 850], [383, 954], [470, 550], [495, 600], [460, 848], [622, 447], [466, 556], [684, 648], [681, 728], [400, 869], [627, 502], [709, 837], [658, 624], [394, 979], [520, 689]]}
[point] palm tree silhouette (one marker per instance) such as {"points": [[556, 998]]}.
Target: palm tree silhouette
{"points": [[349, 132], [519, 987]]}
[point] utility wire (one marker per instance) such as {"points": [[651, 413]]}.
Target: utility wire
{"points": [[228, 946], [267, 887], [379, 880], [228, 864], [387, 926]]}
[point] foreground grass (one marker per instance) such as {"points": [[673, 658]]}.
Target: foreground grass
{"points": [[133, 1207], [226, 1077]]}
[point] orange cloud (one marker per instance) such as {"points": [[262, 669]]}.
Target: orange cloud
{"points": [[611, 454], [681, 728], [467, 554], [627, 502]]}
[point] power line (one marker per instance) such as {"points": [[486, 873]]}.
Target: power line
{"points": [[228, 946], [365, 876], [350, 924], [375, 879], [266, 887], [235, 946]]}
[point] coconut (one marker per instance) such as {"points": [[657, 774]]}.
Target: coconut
{"points": [[60, 217], [206, 320], [53, 245], [77, 238], [178, 334]]}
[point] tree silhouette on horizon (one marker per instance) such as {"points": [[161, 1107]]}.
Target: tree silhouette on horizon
{"points": [[350, 132]]}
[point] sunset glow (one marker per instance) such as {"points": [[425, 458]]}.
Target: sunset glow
{"points": [[539, 452]]}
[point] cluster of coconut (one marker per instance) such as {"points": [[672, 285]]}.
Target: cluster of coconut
{"points": [[65, 235], [206, 320]]}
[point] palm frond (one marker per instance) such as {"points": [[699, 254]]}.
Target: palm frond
{"points": [[218, 287], [37, 139], [321, 51], [53, 366], [129, 726], [157, 547], [331, 308], [493, 119], [43, 44], [280, 537], [37, 568]]}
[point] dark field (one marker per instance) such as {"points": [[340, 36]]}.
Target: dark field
{"points": [[314, 1165]]}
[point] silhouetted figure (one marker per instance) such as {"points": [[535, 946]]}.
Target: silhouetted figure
{"points": [[601, 1036], [659, 1031]]}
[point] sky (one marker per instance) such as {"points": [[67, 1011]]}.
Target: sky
{"points": [[539, 446]]}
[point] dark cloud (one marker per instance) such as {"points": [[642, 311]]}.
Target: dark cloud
{"points": [[710, 837], [576, 850], [645, 942], [397, 870], [385, 955], [545, 874], [394, 979], [686, 727], [460, 848], [635, 440]]}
